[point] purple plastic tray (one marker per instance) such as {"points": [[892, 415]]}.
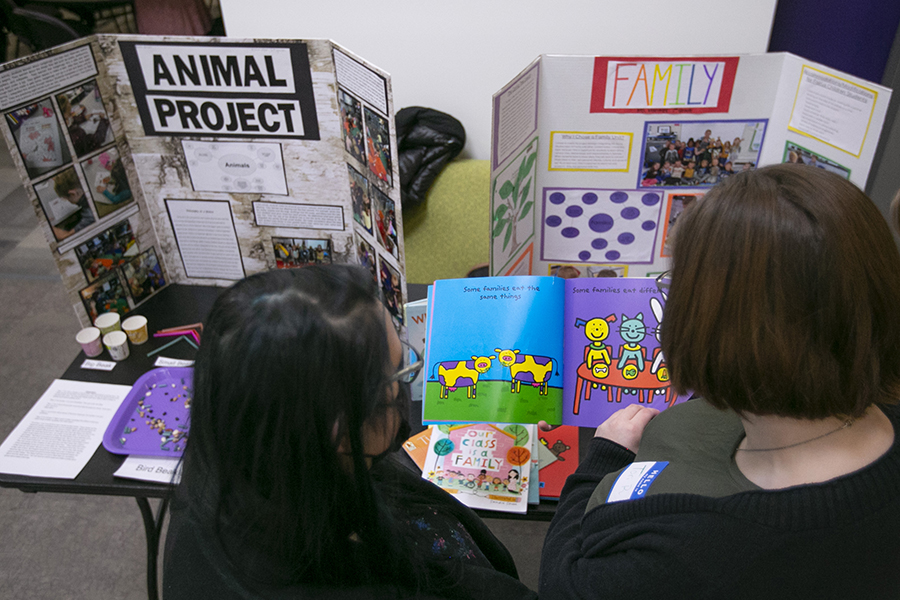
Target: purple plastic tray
{"points": [[154, 418]]}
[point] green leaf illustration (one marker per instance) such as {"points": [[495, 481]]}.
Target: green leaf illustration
{"points": [[525, 209], [506, 189], [508, 234], [520, 432], [443, 447], [500, 211], [526, 189], [530, 161], [523, 170], [498, 228]]}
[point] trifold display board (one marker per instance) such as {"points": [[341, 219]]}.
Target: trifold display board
{"points": [[157, 160], [593, 159]]}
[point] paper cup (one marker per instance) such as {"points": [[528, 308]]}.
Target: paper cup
{"points": [[89, 338], [117, 344], [136, 329], [107, 322]]}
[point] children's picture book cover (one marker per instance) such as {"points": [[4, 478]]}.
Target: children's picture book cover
{"points": [[557, 459], [524, 349], [415, 329], [416, 447], [485, 465]]}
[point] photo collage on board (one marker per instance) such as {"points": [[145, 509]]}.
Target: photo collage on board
{"points": [[114, 267], [68, 147], [365, 131]]}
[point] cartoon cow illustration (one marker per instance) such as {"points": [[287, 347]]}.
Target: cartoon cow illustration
{"points": [[455, 374], [527, 368]]}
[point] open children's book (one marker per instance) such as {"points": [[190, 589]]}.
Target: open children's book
{"points": [[523, 349]]}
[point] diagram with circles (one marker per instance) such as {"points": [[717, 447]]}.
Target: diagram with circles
{"points": [[236, 167], [599, 226]]}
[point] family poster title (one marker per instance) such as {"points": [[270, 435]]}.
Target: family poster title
{"points": [[223, 90], [628, 85]]}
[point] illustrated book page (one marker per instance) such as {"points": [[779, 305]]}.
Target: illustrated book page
{"points": [[494, 350], [484, 465]]}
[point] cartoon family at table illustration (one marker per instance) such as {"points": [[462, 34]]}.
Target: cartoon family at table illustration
{"points": [[630, 371]]}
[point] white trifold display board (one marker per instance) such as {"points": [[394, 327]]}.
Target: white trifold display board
{"points": [[590, 159]]}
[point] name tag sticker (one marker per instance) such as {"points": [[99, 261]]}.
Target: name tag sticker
{"points": [[635, 480]]}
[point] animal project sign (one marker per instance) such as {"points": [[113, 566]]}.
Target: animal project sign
{"points": [[223, 90]]}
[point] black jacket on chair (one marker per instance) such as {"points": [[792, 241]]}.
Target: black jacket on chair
{"points": [[427, 140]]}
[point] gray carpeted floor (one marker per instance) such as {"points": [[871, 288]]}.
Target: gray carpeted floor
{"points": [[58, 546]]}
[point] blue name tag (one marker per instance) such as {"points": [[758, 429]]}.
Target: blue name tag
{"points": [[635, 480]]}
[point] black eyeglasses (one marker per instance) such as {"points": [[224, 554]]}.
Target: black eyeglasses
{"points": [[663, 281], [412, 364]]}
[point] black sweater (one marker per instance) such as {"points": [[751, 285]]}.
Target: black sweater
{"points": [[195, 565], [838, 539]]}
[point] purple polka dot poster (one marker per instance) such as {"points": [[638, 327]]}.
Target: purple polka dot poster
{"points": [[599, 226]]}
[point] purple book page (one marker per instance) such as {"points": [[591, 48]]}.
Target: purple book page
{"points": [[611, 349]]}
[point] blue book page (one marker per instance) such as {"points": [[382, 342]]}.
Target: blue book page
{"points": [[612, 352], [494, 350]]}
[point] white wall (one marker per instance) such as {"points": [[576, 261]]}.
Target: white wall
{"points": [[454, 55]]}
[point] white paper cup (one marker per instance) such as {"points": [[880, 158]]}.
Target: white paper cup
{"points": [[136, 329], [117, 344], [107, 322], [89, 338]]}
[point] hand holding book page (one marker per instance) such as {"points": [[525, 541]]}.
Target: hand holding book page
{"points": [[524, 349]]}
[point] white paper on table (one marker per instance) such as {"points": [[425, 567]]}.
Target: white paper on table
{"points": [[150, 468], [62, 430]]}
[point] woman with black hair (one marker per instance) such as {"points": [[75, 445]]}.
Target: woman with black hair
{"points": [[288, 488]]}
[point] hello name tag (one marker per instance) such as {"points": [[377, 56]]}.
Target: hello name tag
{"points": [[635, 480]]}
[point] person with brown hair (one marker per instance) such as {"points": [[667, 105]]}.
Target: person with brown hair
{"points": [[782, 479]]}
